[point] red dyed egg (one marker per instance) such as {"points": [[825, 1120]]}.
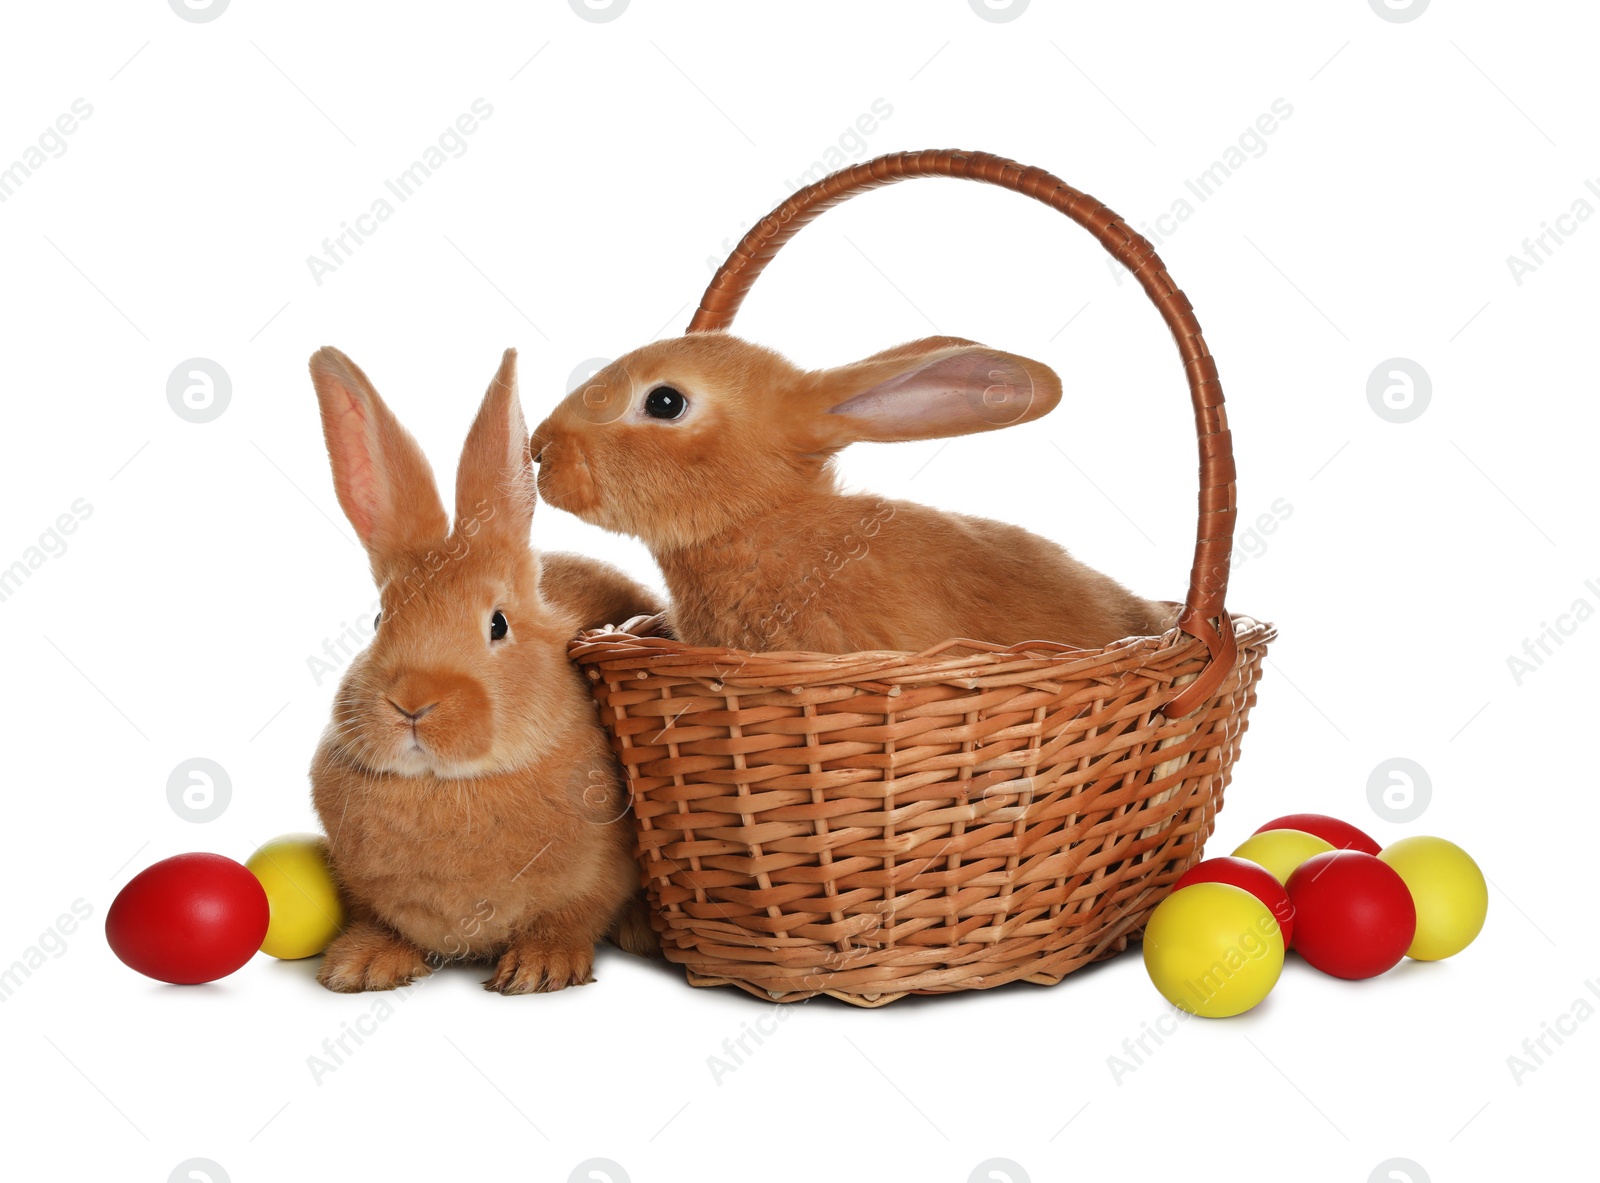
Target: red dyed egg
{"points": [[1255, 879], [1337, 834], [1354, 916], [188, 919]]}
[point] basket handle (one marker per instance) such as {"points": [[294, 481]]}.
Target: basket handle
{"points": [[1203, 615]]}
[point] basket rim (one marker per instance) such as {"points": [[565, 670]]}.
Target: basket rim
{"points": [[640, 637]]}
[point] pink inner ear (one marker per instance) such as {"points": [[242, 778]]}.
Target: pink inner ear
{"points": [[966, 391], [352, 463]]}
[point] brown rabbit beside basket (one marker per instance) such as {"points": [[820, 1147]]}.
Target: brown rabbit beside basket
{"points": [[872, 824], [472, 810]]}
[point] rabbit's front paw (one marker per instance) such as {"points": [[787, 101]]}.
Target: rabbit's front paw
{"points": [[366, 957], [538, 966]]}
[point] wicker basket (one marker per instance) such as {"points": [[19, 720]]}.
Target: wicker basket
{"points": [[870, 825]]}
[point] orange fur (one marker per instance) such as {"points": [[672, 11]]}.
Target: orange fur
{"points": [[740, 504], [597, 593], [472, 805]]}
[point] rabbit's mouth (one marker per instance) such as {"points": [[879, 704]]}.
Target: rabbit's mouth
{"points": [[412, 757], [566, 480]]}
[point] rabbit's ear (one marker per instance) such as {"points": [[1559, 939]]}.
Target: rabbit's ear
{"points": [[495, 479], [381, 476], [931, 389]]}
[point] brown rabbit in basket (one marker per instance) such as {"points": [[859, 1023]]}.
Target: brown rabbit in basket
{"points": [[472, 805], [718, 454]]}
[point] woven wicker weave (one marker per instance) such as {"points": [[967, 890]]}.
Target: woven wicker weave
{"points": [[870, 825]]}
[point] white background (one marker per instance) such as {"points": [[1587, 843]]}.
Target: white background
{"points": [[1415, 560]]}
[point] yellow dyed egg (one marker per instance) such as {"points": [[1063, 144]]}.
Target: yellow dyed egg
{"points": [[301, 895], [1448, 890], [1281, 851], [1213, 949]]}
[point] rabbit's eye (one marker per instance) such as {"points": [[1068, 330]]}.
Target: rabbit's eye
{"points": [[376, 621], [665, 403], [498, 626]]}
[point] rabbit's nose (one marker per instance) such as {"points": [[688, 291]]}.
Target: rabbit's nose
{"points": [[413, 715]]}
